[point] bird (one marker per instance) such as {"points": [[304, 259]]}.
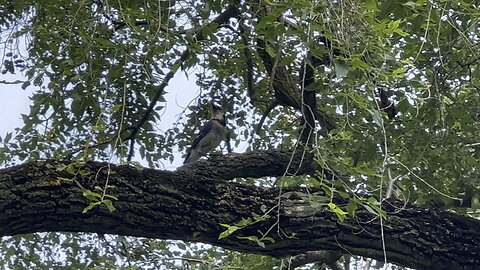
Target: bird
{"points": [[209, 137]]}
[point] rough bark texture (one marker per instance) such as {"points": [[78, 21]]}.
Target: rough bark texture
{"points": [[189, 205]]}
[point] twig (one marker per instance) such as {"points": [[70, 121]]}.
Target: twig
{"points": [[131, 150], [158, 93], [112, 138], [265, 114], [327, 257], [386, 105], [227, 142], [309, 100], [119, 25], [13, 82], [248, 62]]}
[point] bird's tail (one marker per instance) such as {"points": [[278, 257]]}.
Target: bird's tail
{"points": [[192, 156]]}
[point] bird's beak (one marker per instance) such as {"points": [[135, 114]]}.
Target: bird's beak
{"points": [[216, 107]]}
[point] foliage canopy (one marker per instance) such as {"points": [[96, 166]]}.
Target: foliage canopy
{"points": [[95, 67]]}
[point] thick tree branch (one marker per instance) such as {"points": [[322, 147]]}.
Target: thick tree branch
{"points": [[287, 92], [286, 88], [256, 164], [189, 205]]}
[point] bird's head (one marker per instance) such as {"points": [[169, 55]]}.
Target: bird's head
{"points": [[217, 112]]}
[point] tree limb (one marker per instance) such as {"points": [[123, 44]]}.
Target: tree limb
{"points": [[189, 205], [286, 88]]}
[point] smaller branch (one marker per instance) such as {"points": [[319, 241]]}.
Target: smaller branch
{"points": [[327, 257], [472, 144], [158, 93], [461, 65], [248, 61], [119, 25], [13, 82], [131, 150], [265, 114], [309, 100], [346, 261], [89, 146], [386, 105], [391, 183], [368, 264], [227, 142], [112, 138]]}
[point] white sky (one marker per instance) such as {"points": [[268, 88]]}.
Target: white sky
{"points": [[14, 101]]}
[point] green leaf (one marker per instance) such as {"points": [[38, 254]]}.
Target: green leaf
{"points": [[351, 207], [400, 32], [338, 211], [259, 218], [111, 197], [341, 70], [270, 239], [373, 206], [63, 179], [360, 64], [26, 84], [7, 137], [377, 117], [371, 5], [90, 207], [229, 231], [109, 205], [93, 196], [252, 238], [369, 209], [394, 24], [399, 73], [244, 222], [265, 21], [271, 52], [317, 204]]}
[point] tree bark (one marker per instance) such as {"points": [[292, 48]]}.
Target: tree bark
{"points": [[191, 203]]}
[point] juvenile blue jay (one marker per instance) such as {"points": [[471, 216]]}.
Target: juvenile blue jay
{"points": [[209, 137]]}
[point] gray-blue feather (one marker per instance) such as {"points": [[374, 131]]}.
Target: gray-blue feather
{"points": [[209, 137]]}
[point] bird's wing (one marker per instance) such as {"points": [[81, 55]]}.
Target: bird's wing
{"points": [[203, 132]]}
